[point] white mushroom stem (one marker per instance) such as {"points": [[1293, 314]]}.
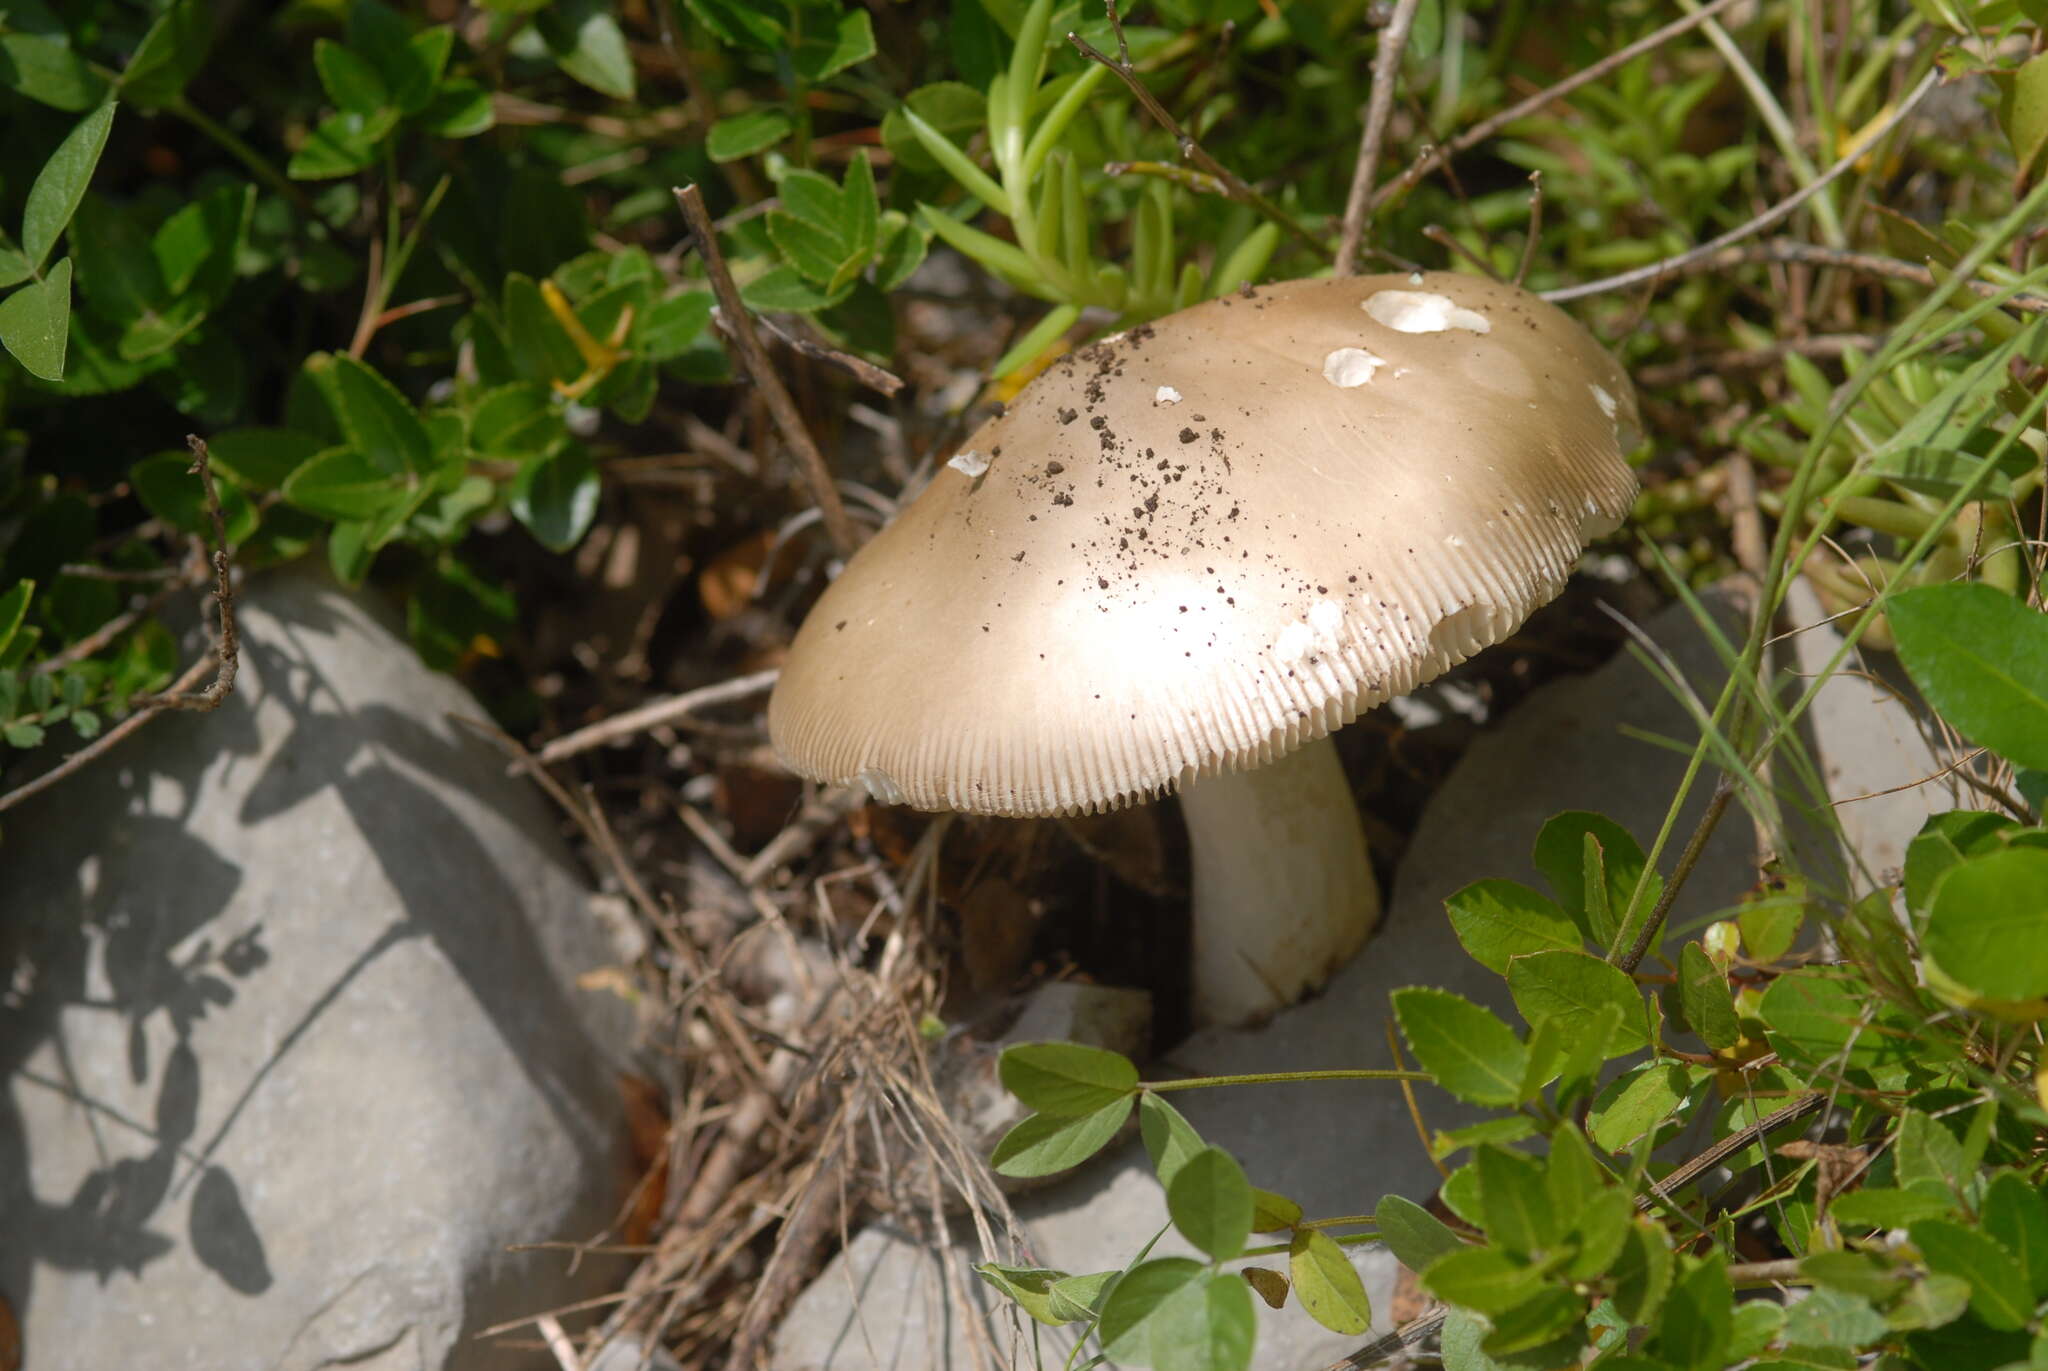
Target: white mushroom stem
{"points": [[1284, 891]]}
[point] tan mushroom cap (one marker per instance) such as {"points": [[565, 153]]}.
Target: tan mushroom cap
{"points": [[1205, 541]]}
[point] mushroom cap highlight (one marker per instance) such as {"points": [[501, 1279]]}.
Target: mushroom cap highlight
{"points": [[1197, 544]]}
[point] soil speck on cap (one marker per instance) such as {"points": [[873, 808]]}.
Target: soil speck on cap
{"points": [[1188, 435]]}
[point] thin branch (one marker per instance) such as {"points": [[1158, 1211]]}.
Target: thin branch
{"points": [[106, 742], [227, 650], [739, 324], [867, 373], [1386, 71], [655, 714], [1775, 214], [1863, 263], [1441, 236], [1753, 359], [1695, 846], [185, 692], [1434, 157], [1193, 151]]}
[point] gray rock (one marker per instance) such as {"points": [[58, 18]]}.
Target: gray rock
{"points": [[892, 1300], [291, 1051]]}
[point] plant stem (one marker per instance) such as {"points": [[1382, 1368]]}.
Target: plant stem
{"points": [[1386, 71], [232, 143]]}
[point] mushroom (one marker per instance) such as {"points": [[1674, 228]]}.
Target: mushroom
{"points": [[1189, 552]]}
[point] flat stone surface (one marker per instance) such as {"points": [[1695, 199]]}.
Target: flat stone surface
{"points": [[291, 1051], [1337, 1148]]}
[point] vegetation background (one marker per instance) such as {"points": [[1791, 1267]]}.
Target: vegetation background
{"points": [[417, 281]]}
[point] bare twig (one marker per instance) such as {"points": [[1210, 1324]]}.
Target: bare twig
{"points": [[1695, 846], [1757, 224], [558, 1343], [1435, 157], [112, 738], [184, 692], [1386, 71], [227, 649], [1193, 151], [739, 324], [867, 373], [653, 715], [1862, 263], [1441, 236]]}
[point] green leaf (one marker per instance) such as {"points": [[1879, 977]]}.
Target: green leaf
{"points": [[380, 424], [1514, 1200], [540, 349], [1415, 1236], [1031, 1287], [1695, 1325], [743, 135], [1327, 1283], [1981, 658], [1573, 987], [740, 23], [1210, 1202], [1273, 1213], [1638, 1102], [1169, 1138], [1944, 840], [1560, 854], [1880, 1207], [555, 495], [1482, 1279], [2015, 1214], [860, 208], [196, 248], [589, 46], [54, 195], [784, 289], [35, 322], [672, 325], [1135, 1301], [1466, 1047], [1987, 929], [850, 39], [1210, 1326], [1832, 1319], [407, 65], [1853, 1273], [1703, 991], [341, 483], [49, 73], [952, 108], [1927, 1153], [1045, 1143], [811, 250], [2023, 113], [1066, 1078], [22, 734], [350, 82], [262, 458], [1499, 920], [168, 56], [460, 108], [341, 145], [1544, 1331], [1824, 1018], [1941, 472], [900, 251], [1571, 1177], [516, 420], [13, 610], [1770, 925], [1999, 1293]]}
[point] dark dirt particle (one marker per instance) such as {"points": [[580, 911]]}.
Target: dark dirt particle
{"points": [[1067, 416], [1055, 468], [1188, 435]]}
